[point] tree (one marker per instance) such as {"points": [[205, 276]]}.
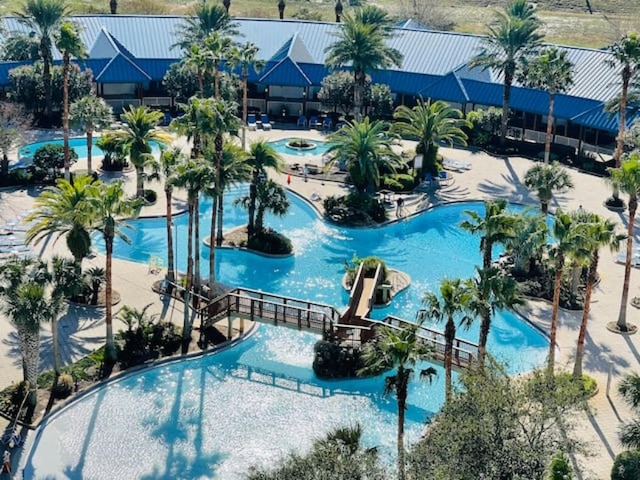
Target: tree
{"points": [[199, 59], [69, 43], [597, 233], [261, 156], [218, 46], [90, 113], [626, 56], [512, 36], [528, 243], [63, 210], [546, 180], [18, 47], [270, 197], [560, 468], [139, 130], [629, 390], [626, 465], [495, 228], [50, 158], [13, 121], [336, 91], [627, 179], [431, 123], [281, 6], [499, 427], [400, 350], [44, 17], [181, 81], [379, 100], [110, 208], [169, 160], [455, 298], [209, 17], [551, 71], [363, 47], [365, 148]]}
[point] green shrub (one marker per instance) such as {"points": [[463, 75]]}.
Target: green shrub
{"points": [[399, 182], [64, 387], [370, 266], [392, 184], [626, 466], [330, 360], [270, 242], [560, 468], [51, 156]]}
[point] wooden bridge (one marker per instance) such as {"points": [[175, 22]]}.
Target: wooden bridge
{"points": [[314, 317]]}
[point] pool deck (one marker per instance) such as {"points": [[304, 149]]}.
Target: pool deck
{"points": [[489, 177]]}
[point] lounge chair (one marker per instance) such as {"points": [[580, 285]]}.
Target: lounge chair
{"points": [[314, 122], [445, 178], [621, 258], [302, 121], [251, 122], [327, 124], [266, 124]]}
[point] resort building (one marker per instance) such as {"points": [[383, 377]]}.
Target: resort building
{"points": [[129, 56]]}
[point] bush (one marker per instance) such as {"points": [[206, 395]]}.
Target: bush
{"points": [[270, 242], [331, 360], [64, 387], [399, 182], [150, 196], [560, 468], [370, 266], [51, 156], [626, 466], [355, 209]]}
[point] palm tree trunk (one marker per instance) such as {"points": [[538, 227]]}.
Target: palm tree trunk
{"points": [[402, 405], [449, 337], [591, 280], [216, 79], [554, 314], [46, 76], [201, 84], [65, 115], [544, 207], [252, 204], [113, 6], [212, 246], [186, 323], [4, 165], [358, 87], [219, 236], [56, 346], [31, 359], [171, 275], [626, 77], [622, 316], [110, 348], [547, 143], [219, 145], [506, 98], [196, 245], [576, 273], [139, 182], [486, 255], [245, 106], [485, 326], [89, 148]]}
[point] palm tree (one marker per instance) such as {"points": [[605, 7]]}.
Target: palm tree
{"points": [[528, 243], [281, 6], [193, 176], [363, 47], [169, 160], [218, 46], [627, 179], [365, 148], [629, 390], [261, 156], [110, 208], [597, 233], [431, 123], [270, 197], [69, 43], [376, 17], [400, 350], [200, 59], [512, 36], [455, 297], [209, 17], [551, 71], [139, 131], [245, 56], [63, 210], [496, 227], [547, 180], [44, 18], [626, 56], [90, 113]]}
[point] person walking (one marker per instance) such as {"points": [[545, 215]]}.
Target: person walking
{"points": [[6, 462]]}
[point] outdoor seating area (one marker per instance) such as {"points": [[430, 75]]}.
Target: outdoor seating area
{"points": [[12, 238]]}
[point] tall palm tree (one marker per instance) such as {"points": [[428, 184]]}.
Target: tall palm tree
{"points": [[454, 299], [261, 156], [512, 36], [626, 56], [90, 113], [169, 160], [547, 180], [270, 197], [597, 233], [281, 6], [365, 148], [44, 17], [627, 179], [110, 208], [363, 47], [529, 242], [566, 238], [376, 17], [139, 130], [218, 46], [193, 176], [431, 123], [69, 43], [63, 210], [400, 350], [209, 17], [496, 227], [200, 59], [245, 56], [551, 71], [629, 390]]}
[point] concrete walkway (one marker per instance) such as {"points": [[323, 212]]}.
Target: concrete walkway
{"points": [[489, 177]]}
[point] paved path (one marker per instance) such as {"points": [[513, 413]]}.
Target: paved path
{"points": [[489, 177]]}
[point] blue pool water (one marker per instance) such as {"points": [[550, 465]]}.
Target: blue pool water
{"points": [[280, 146], [217, 416], [79, 144]]}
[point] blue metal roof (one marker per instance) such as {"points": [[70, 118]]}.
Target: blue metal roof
{"points": [[286, 72], [449, 88], [121, 70]]}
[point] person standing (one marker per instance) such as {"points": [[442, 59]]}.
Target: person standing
{"points": [[6, 462]]}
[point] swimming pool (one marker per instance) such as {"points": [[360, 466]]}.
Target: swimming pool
{"points": [[320, 148], [259, 393], [79, 144]]}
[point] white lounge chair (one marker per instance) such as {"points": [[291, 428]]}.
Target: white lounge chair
{"points": [[251, 122], [266, 124], [621, 258]]}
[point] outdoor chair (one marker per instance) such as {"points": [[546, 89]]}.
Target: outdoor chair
{"points": [[327, 124], [251, 122], [314, 122], [266, 124], [302, 121]]}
